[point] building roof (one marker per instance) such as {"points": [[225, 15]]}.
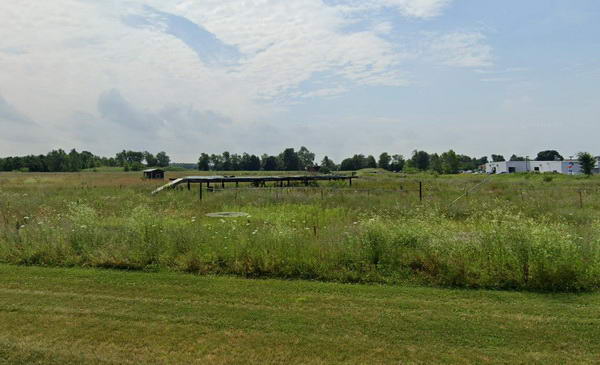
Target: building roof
{"points": [[154, 170]]}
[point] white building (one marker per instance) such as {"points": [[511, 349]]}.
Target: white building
{"points": [[570, 167]]}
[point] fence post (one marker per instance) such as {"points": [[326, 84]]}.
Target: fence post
{"points": [[420, 191], [200, 192]]}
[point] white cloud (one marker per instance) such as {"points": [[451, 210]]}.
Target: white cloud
{"points": [[72, 51], [408, 8], [114, 74], [461, 49], [419, 8]]}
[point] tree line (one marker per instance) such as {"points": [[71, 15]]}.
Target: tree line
{"points": [[288, 160], [291, 160], [61, 161]]}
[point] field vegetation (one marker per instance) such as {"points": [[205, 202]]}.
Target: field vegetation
{"points": [[525, 232]]}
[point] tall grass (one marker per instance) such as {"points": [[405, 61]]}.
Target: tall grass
{"points": [[491, 239]]}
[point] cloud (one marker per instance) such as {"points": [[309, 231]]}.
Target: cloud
{"points": [[204, 75], [114, 108], [10, 114], [461, 49], [408, 8], [419, 8]]}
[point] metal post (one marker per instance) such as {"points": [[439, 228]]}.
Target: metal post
{"points": [[188, 185], [200, 192], [420, 191]]}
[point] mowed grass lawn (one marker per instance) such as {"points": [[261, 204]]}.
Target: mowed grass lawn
{"points": [[85, 316]]}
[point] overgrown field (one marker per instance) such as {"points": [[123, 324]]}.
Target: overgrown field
{"points": [[529, 232]]}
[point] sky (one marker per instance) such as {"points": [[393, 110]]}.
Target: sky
{"points": [[340, 77]]}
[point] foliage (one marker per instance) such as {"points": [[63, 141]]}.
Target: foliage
{"points": [[491, 239], [420, 160], [549, 155], [384, 161], [587, 162]]}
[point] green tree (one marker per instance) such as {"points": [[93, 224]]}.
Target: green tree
{"points": [[549, 155], [498, 158], [420, 160], [204, 162], [291, 161], [384, 161], [162, 159], [57, 161], [516, 158], [587, 162], [150, 159], [371, 163], [307, 158], [398, 163], [435, 163], [327, 165], [450, 162], [226, 161], [270, 163], [74, 161]]}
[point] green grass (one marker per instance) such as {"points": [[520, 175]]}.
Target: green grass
{"points": [[79, 316], [513, 232]]}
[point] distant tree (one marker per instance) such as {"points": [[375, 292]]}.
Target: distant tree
{"points": [[270, 163], [235, 162], [226, 161], [162, 159], [57, 161], [136, 166], [249, 162], [327, 165], [306, 158], [397, 163], [204, 162], [371, 163], [435, 163], [359, 162], [384, 161], [74, 161], [134, 157], [420, 160], [498, 158], [450, 162], [587, 162], [347, 165], [150, 159], [291, 161], [549, 155], [254, 164], [88, 160], [216, 162], [516, 158]]}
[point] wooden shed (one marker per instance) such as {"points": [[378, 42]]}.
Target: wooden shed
{"points": [[154, 174]]}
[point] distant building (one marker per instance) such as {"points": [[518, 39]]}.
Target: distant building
{"points": [[154, 174], [569, 167]]}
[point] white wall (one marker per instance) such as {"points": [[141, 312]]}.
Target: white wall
{"points": [[562, 167]]}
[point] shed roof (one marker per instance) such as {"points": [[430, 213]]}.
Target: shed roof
{"points": [[153, 170]]}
